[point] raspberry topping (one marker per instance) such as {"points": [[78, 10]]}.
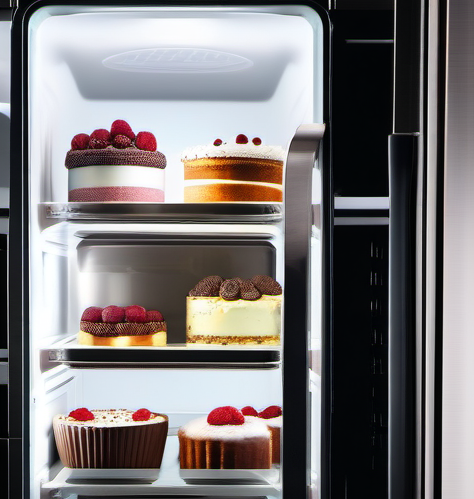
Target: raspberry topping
{"points": [[146, 141], [121, 127], [257, 141], [141, 415], [218, 142], [154, 316], [135, 313], [80, 141], [226, 415], [248, 410], [101, 134], [113, 314], [92, 314], [272, 411], [82, 414], [121, 141], [241, 139], [98, 144]]}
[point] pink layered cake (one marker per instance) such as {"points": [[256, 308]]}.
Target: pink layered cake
{"points": [[122, 327], [114, 438], [115, 165], [225, 439], [272, 417]]}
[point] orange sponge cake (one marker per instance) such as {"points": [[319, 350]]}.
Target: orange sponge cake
{"points": [[239, 170]]}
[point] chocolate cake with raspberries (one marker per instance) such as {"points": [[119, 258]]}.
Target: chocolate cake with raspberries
{"points": [[115, 165], [234, 311], [225, 439], [122, 327], [114, 438], [238, 170], [272, 416]]}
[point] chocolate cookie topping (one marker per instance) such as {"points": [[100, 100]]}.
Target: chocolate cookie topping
{"points": [[266, 285], [122, 328], [209, 286], [131, 156], [248, 291], [230, 290]]}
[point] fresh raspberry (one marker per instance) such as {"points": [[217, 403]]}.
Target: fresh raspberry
{"points": [[146, 141], [141, 415], [257, 141], [154, 316], [82, 414], [248, 410], [218, 142], [98, 144], [121, 142], [241, 139], [113, 314], [121, 127], [80, 141], [272, 411], [225, 416], [135, 313], [101, 134], [92, 314]]}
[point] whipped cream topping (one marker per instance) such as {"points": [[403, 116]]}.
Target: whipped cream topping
{"points": [[272, 422], [200, 429], [233, 150], [110, 418]]}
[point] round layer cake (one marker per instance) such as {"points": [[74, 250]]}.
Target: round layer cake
{"points": [[115, 166], [114, 438], [225, 439], [237, 171], [122, 327]]}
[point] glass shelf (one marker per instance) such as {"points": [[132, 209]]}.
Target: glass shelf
{"points": [[69, 352], [169, 480], [165, 212]]}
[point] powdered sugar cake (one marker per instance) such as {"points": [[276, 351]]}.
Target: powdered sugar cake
{"points": [[115, 165]]}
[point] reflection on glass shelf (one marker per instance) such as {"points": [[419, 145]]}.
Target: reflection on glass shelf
{"points": [[69, 352], [169, 480], [165, 212]]}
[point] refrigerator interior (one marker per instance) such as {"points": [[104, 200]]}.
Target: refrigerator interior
{"points": [[188, 75]]}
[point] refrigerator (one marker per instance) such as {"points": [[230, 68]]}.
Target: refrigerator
{"points": [[355, 374]]}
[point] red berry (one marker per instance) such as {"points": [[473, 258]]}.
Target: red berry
{"points": [[135, 313], [217, 142], [80, 141], [101, 134], [121, 142], [146, 141], [141, 415], [154, 316], [121, 127], [113, 314], [82, 414], [92, 314], [98, 144], [241, 139], [272, 411], [226, 415], [257, 141], [248, 410]]}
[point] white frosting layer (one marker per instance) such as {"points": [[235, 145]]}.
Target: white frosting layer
{"points": [[214, 181], [116, 176], [105, 419], [202, 430], [273, 422], [214, 316], [233, 150]]}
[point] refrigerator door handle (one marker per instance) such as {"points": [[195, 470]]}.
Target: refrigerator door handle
{"points": [[404, 404], [301, 159]]}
